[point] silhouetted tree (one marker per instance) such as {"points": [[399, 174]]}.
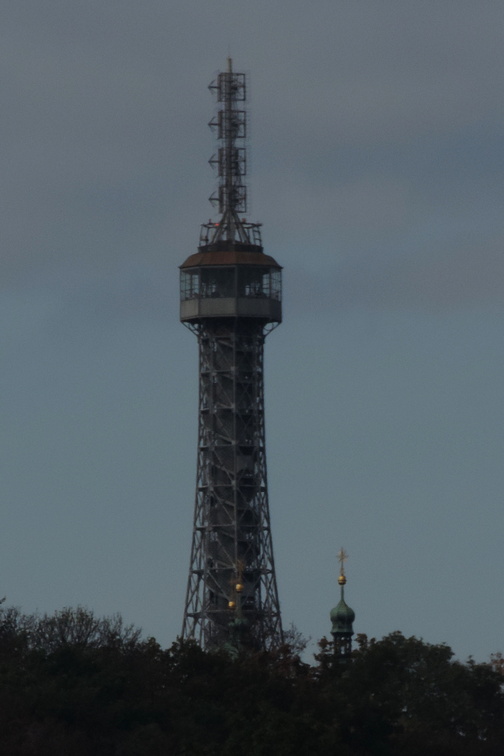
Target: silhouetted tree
{"points": [[73, 684]]}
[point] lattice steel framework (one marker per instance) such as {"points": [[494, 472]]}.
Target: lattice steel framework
{"points": [[231, 298]]}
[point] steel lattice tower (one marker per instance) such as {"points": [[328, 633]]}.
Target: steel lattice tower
{"points": [[231, 299]]}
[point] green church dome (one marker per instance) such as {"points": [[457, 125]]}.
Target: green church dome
{"points": [[342, 617]]}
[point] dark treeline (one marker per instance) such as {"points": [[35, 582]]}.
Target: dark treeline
{"points": [[75, 685]]}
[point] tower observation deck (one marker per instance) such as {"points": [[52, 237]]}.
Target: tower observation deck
{"points": [[230, 297]]}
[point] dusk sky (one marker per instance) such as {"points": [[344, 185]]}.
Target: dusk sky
{"points": [[377, 170]]}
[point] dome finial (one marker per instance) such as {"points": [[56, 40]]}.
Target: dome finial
{"points": [[342, 557]]}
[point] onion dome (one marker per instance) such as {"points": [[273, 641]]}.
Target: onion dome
{"points": [[342, 617]]}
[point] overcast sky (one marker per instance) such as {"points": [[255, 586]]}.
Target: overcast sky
{"points": [[376, 158]]}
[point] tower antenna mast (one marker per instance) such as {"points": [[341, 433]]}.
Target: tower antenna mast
{"points": [[230, 161]]}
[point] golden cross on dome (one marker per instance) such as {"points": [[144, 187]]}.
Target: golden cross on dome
{"points": [[342, 557]]}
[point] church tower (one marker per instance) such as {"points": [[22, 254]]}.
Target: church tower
{"points": [[342, 617]]}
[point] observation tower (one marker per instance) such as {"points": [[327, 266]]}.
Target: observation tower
{"points": [[230, 294]]}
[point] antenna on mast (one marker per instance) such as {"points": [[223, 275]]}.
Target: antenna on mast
{"points": [[230, 160]]}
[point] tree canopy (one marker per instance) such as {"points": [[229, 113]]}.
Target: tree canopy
{"points": [[73, 684]]}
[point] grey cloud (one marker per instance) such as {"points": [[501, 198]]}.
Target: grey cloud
{"points": [[100, 106], [466, 274]]}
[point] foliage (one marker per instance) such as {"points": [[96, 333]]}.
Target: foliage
{"points": [[74, 684]]}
